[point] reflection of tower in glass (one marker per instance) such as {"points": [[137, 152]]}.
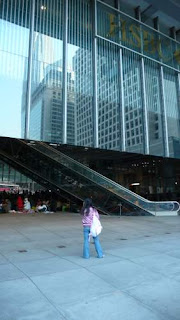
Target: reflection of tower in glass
{"points": [[133, 108], [43, 55], [83, 97], [46, 118], [154, 112], [108, 106], [46, 95], [23, 102], [108, 100], [108, 103]]}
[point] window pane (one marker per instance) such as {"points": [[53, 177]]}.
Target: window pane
{"points": [[47, 68], [79, 74], [133, 102], [173, 113], [153, 100], [108, 95], [14, 41]]}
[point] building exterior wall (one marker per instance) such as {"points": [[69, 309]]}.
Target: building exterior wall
{"points": [[85, 73]]}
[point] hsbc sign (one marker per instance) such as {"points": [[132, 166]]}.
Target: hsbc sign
{"points": [[123, 30]]}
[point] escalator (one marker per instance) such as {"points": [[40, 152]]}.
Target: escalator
{"points": [[73, 180]]}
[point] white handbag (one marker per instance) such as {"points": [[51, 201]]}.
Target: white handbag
{"points": [[96, 227]]}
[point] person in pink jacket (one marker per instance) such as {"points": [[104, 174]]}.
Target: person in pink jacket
{"points": [[87, 212]]}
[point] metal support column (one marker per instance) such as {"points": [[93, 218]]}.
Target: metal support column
{"points": [[29, 72], [163, 103], [178, 89], [137, 12], [172, 33], [164, 115], [64, 89], [145, 113], [156, 23], [122, 111], [179, 85], [94, 67], [121, 95], [143, 87]]}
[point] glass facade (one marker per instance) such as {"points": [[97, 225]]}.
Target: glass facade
{"points": [[79, 69], [82, 72], [46, 72], [10, 176], [14, 42], [133, 102], [108, 96], [154, 108]]}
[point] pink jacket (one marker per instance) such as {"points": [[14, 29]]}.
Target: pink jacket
{"points": [[87, 220]]}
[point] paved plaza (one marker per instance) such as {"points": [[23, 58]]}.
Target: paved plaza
{"points": [[44, 277]]}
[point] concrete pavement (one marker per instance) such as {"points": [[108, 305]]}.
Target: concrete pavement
{"points": [[43, 276]]}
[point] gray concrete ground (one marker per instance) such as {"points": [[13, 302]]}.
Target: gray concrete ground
{"points": [[139, 278]]}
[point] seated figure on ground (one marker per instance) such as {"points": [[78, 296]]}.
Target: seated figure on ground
{"points": [[27, 205]]}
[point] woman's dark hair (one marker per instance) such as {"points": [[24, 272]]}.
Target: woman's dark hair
{"points": [[86, 206]]}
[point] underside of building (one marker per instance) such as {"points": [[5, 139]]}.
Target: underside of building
{"points": [[54, 167]]}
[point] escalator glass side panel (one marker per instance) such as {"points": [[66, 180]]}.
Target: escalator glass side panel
{"points": [[108, 184], [70, 176]]}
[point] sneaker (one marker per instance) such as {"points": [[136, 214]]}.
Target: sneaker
{"points": [[101, 257]]}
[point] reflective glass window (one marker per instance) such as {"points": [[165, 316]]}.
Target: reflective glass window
{"points": [[108, 88], [133, 104], [172, 112], [154, 111], [47, 72], [14, 44], [79, 74]]}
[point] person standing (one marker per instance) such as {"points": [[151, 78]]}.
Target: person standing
{"points": [[19, 204], [87, 212]]}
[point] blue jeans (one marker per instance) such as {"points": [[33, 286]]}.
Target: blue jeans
{"points": [[86, 244]]}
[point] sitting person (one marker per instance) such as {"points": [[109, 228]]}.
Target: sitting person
{"points": [[27, 205], [6, 206], [42, 207]]}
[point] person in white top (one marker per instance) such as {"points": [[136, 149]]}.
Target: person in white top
{"points": [[27, 205]]}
